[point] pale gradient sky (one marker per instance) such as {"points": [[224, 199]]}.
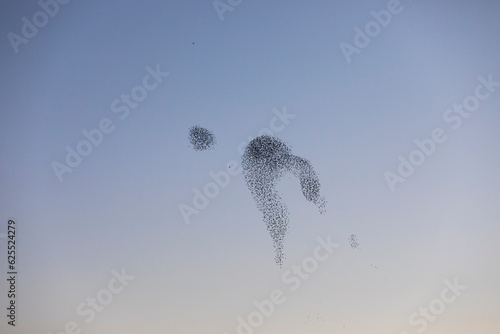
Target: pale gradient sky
{"points": [[119, 208]]}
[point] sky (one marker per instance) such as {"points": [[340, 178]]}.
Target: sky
{"points": [[102, 246]]}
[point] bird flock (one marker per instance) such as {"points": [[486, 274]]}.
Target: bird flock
{"points": [[265, 160], [201, 138]]}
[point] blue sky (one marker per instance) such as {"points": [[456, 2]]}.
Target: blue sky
{"points": [[120, 207]]}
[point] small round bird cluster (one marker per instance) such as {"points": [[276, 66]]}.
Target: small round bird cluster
{"points": [[265, 160], [201, 138], [354, 241]]}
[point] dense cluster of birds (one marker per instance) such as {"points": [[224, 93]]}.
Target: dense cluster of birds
{"points": [[265, 160], [353, 240], [201, 138]]}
